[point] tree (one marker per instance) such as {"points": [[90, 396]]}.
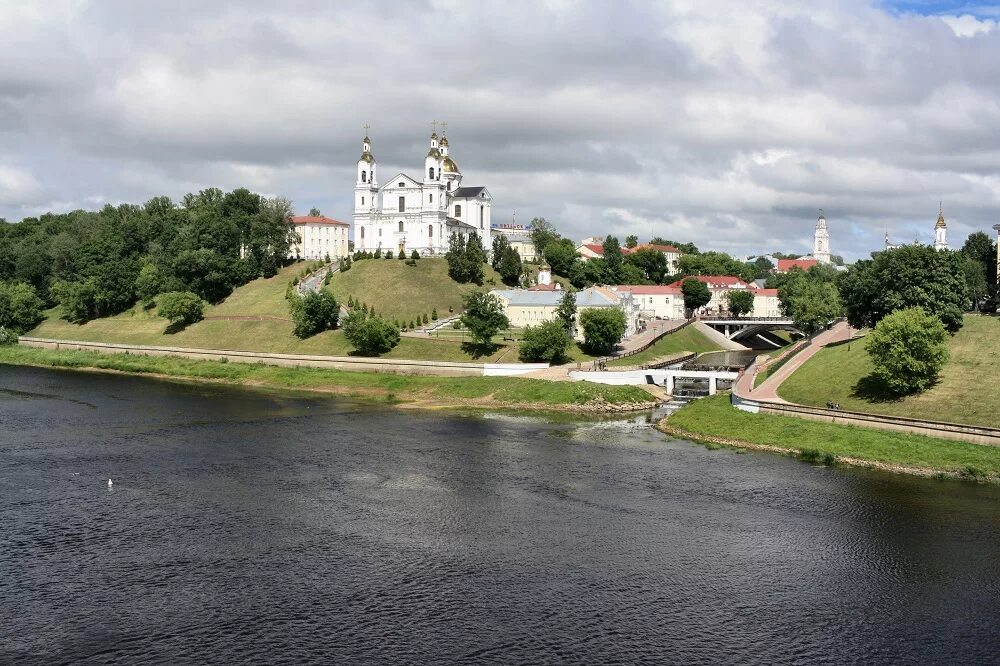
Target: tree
{"points": [[561, 256], [484, 316], [20, 307], [613, 260], [631, 241], [401, 255], [909, 276], [149, 282], [975, 282], [500, 243], [685, 248], [908, 349], [180, 308], [739, 302], [762, 267], [542, 234], [696, 294], [370, 334], [715, 263], [981, 248], [603, 328], [475, 258], [314, 212], [510, 267], [810, 301], [313, 313], [76, 299], [651, 262], [566, 312], [546, 342]]}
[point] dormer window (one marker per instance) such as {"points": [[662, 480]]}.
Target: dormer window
{"points": [[402, 184]]}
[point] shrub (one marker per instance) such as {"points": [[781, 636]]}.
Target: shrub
{"points": [[370, 335], [377, 254], [20, 307], [908, 350], [412, 325], [434, 314], [314, 313], [414, 255], [388, 254], [180, 308], [456, 324], [427, 319], [401, 255], [602, 329], [484, 316], [546, 342], [7, 336]]}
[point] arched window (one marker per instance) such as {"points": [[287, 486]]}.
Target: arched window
{"points": [[431, 198], [362, 201], [481, 208], [458, 210], [449, 186], [430, 231], [430, 173], [362, 233], [364, 176], [402, 204], [401, 225]]}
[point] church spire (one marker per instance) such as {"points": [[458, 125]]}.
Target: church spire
{"points": [[821, 240], [940, 230]]}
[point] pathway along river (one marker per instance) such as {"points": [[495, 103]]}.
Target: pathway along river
{"points": [[249, 526]]}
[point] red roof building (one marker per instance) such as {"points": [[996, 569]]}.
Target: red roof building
{"points": [[785, 265]]}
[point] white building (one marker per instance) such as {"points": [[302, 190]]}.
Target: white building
{"points": [[765, 301], [319, 237], [410, 214], [589, 249], [821, 241], [656, 301], [525, 307]]}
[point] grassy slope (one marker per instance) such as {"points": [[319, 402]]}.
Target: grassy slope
{"points": [[260, 297], [398, 291], [716, 417], [688, 339], [483, 391], [967, 393]]}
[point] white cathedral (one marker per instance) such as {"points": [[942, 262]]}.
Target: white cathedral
{"points": [[409, 214]]}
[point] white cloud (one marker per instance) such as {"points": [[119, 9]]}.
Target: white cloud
{"points": [[967, 25]]}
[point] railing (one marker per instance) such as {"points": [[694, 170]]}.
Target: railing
{"points": [[745, 318], [602, 363]]}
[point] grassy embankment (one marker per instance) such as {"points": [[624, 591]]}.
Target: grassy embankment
{"points": [[968, 390], [688, 339], [511, 392], [266, 297], [716, 420]]}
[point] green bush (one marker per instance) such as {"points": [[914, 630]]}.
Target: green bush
{"points": [[314, 313], [401, 255], [908, 350], [20, 307], [427, 319], [180, 308], [7, 336], [370, 335], [414, 255], [434, 314], [546, 342], [603, 328], [484, 316]]}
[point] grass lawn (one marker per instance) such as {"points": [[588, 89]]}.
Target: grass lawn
{"points": [[402, 292], [687, 339], [775, 366], [716, 417], [968, 391], [482, 391]]}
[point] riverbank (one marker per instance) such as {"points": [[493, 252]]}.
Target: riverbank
{"points": [[408, 390], [714, 420]]}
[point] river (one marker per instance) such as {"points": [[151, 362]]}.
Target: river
{"points": [[249, 526]]}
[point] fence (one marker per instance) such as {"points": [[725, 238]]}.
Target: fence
{"points": [[602, 363]]}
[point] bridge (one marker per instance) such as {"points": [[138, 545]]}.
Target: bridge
{"points": [[745, 328]]}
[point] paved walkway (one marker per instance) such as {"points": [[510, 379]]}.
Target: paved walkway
{"points": [[769, 389], [654, 329]]}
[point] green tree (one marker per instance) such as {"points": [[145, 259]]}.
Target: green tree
{"points": [[981, 248], [313, 313], [651, 262], [909, 276], [696, 294], [566, 312], [613, 260], [715, 263], [20, 307], [314, 212], [484, 316], [149, 282], [500, 243], [602, 328], [685, 248], [561, 256], [631, 241], [542, 235], [180, 308], [908, 349], [75, 299], [371, 335], [510, 267], [739, 302], [475, 258], [811, 301], [975, 281], [546, 343], [401, 255]]}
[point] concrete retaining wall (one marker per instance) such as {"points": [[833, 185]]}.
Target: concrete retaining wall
{"points": [[971, 434], [361, 364]]}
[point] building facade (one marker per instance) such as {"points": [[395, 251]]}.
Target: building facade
{"points": [[525, 307], [319, 237], [765, 301], [409, 214]]}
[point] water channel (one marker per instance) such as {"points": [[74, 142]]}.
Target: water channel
{"points": [[259, 527]]}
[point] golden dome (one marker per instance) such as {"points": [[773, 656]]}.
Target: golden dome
{"points": [[435, 153], [450, 166], [367, 157], [444, 141], [940, 222]]}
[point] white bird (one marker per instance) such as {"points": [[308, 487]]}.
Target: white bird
{"points": [[110, 484]]}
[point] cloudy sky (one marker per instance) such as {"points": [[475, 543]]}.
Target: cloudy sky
{"points": [[725, 123]]}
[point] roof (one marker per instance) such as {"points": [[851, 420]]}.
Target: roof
{"points": [[650, 246], [716, 281], [649, 289], [785, 265], [552, 286], [452, 222], [320, 219], [518, 238], [596, 249], [467, 192], [592, 297], [766, 292]]}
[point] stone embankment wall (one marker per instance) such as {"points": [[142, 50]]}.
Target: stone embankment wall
{"points": [[361, 364]]}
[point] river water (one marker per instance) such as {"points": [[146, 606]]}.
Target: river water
{"points": [[257, 527]]}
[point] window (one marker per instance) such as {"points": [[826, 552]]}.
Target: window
{"points": [[430, 198], [401, 226], [430, 231], [402, 184], [430, 173], [362, 233], [458, 210], [364, 176], [380, 232], [362, 201], [402, 204], [449, 186], [481, 216]]}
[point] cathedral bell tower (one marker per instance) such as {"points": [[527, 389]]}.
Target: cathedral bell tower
{"points": [[940, 231], [821, 241], [365, 193]]}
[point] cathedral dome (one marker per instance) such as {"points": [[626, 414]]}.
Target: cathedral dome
{"points": [[940, 221], [450, 166], [435, 153], [444, 141], [367, 157]]}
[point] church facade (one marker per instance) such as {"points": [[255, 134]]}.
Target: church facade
{"points": [[406, 213]]}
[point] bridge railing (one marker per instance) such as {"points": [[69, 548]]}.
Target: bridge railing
{"points": [[746, 318]]}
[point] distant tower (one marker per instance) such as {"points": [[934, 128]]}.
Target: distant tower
{"points": [[545, 274], [940, 232], [821, 241], [365, 192]]}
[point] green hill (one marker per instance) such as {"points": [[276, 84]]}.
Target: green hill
{"points": [[967, 393], [398, 291]]}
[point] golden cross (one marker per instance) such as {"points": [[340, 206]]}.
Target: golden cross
{"points": [[366, 129], [444, 128], [434, 125]]}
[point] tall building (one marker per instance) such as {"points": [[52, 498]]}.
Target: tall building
{"points": [[821, 241], [940, 231], [409, 214]]}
